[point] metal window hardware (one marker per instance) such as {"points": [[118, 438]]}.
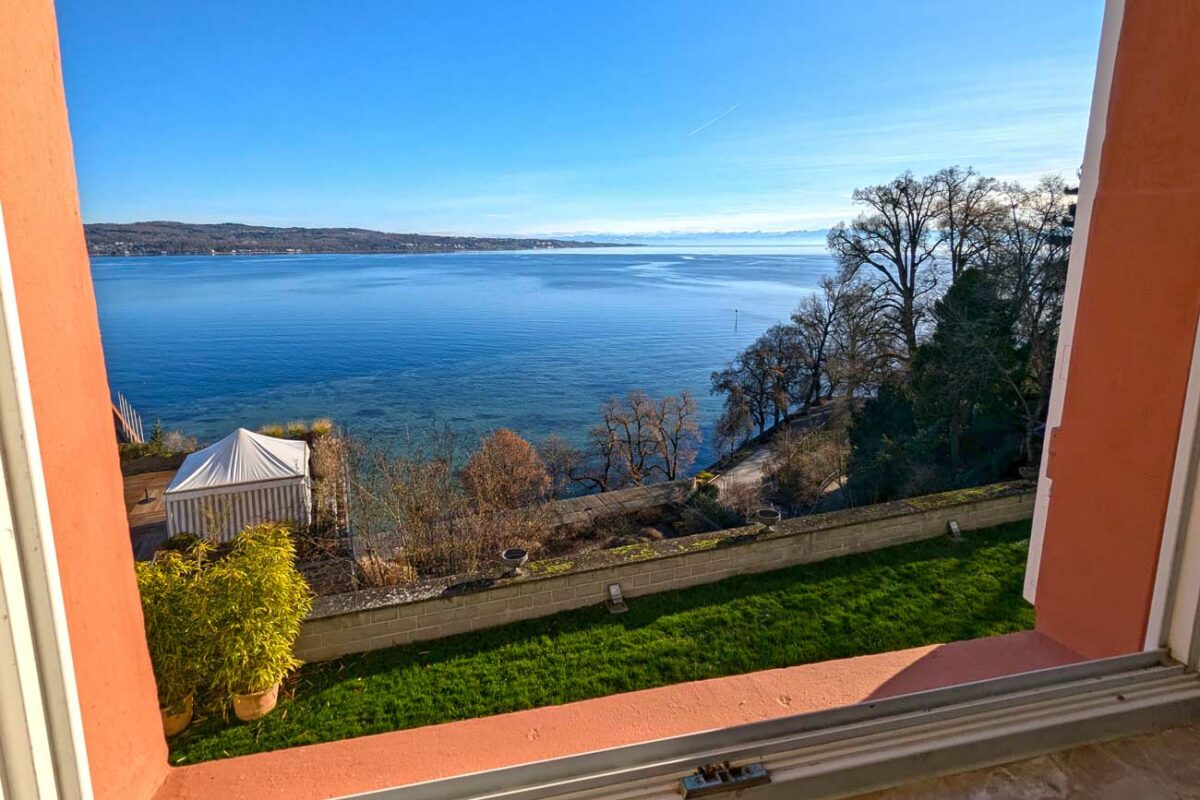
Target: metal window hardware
{"points": [[713, 779]]}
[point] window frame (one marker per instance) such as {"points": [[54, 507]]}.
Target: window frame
{"points": [[42, 750], [823, 754]]}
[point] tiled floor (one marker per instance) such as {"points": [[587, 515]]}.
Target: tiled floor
{"points": [[1160, 766]]}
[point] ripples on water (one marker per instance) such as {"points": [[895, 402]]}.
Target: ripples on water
{"points": [[389, 343]]}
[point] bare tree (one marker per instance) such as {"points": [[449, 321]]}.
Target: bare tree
{"points": [[965, 214], [639, 439], [896, 240], [1031, 240], [862, 351], [818, 319], [561, 461], [736, 422], [759, 378], [599, 467], [676, 434], [632, 419], [782, 349]]}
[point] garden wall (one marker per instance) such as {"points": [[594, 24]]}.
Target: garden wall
{"points": [[376, 618]]}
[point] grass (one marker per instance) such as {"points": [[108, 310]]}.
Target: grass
{"points": [[906, 596]]}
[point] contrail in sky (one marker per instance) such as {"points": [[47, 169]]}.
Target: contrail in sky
{"points": [[717, 118]]}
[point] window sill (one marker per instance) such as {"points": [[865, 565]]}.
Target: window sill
{"points": [[440, 751]]}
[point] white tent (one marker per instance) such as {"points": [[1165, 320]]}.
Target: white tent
{"points": [[244, 479]]}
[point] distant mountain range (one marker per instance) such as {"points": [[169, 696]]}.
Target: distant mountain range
{"points": [[714, 237], [228, 238]]}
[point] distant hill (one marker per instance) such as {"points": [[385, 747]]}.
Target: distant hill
{"points": [[228, 238], [803, 237]]}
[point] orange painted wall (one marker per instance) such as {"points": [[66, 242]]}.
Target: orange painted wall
{"points": [[70, 395], [1114, 454]]}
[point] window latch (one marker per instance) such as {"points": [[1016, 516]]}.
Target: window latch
{"points": [[713, 779]]}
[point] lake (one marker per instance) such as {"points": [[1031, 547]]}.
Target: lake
{"points": [[387, 345]]}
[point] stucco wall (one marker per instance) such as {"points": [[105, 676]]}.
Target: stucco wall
{"points": [[1112, 458], [379, 618], [57, 311]]}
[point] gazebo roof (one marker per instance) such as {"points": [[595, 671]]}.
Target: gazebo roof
{"points": [[241, 457]]}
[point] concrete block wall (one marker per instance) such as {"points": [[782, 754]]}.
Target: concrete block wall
{"points": [[361, 623]]}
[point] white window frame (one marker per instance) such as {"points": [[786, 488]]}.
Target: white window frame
{"points": [[1110, 32], [42, 752]]}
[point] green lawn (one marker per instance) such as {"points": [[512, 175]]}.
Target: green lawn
{"points": [[923, 593]]}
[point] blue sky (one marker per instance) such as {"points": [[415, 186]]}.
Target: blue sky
{"points": [[559, 117]]}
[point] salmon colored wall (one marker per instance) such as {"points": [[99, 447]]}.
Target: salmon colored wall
{"points": [[70, 393], [1113, 456]]}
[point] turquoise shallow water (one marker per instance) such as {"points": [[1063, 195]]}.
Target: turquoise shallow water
{"points": [[388, 344]]}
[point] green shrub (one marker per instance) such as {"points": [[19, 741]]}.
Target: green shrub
{"points": [[176, 628], [256, 600], [273, 429], [322, 426], [180, 542], [705, 501], [704, 478], [162, 443], [297, 429]]}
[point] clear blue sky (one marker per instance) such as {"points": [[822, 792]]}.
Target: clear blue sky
{"points": [[559, 117]]}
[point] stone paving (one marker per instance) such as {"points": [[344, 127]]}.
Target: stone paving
{"points": [[584, 510], [1157, 766], [145, 511]]}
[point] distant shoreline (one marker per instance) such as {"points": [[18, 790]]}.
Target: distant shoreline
{"points": [[407, 252], [164, 238]]}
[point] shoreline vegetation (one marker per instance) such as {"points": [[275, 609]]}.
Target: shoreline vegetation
{"points": [[162, 238]]}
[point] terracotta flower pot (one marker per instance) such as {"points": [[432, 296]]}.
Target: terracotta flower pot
{"points": [[256, 705], [174, 723]]}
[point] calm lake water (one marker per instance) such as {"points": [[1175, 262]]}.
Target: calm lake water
{"points": [[388, 344]]}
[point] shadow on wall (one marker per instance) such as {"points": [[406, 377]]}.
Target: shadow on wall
{"points": [[977, 660]]}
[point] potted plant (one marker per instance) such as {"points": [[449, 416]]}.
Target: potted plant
{"points": [[172, 611], [257, 600]]}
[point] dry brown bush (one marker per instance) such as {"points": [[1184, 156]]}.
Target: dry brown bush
{"points": [[804, 464], [409, 502], [742, 498], [505, 473], [375, 571]]}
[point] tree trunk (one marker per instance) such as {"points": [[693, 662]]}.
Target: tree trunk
{"points": [[909, 324], [955, 438]]}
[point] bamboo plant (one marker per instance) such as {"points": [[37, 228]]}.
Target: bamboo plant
{"points": [[257, 600], [176, 631]]}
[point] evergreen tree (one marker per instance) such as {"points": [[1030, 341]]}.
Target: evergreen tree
{"points": [[965, 384]]}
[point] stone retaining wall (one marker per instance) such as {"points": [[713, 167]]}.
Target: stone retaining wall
{"points": [[376, 618]]}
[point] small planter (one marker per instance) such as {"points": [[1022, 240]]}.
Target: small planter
{"points": [[249, 707], [175, 723], [514, 558], [767, 517]]}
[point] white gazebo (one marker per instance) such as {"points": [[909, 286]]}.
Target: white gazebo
{"points": [[244, 479]]}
